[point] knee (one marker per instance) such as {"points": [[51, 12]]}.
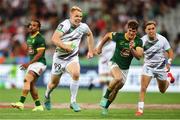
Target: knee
{"points": [[119, 84], [75, 76], [54, 83], [120, 81], [27, 84], [143, 89]]}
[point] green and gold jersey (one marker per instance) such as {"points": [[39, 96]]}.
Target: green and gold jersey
{"points": [[34, 44], [122, 55]]}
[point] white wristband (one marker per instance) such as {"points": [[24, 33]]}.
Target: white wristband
{"points": [[169, 61]]}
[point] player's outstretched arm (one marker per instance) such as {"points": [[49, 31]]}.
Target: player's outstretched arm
{"points": [[101, 43], [170, 55], [90, 41]]}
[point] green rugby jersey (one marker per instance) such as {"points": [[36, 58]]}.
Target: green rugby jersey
{"points": [[35, 43], [122, 55]]}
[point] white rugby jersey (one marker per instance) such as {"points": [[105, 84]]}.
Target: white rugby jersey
{"points": [[73, 34], [154, 51], [108, 50]]}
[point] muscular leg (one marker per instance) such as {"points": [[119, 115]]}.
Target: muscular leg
{"points": [[117, 75], [34, 92], [26, 88], [114, 86], [33, 89], [115, 91], [163, 85], [52, 84], [145, 80], [74, 70]]}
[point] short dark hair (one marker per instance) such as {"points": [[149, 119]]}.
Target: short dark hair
{"points": [[39, 24], [133, 24]]}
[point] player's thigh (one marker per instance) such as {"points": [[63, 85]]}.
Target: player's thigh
{"points": [[162, 84], [34, 71], [161, 77], [147, 74], [145, 80], [38, 68], [162, 80], [116, 73], [73, 68]]}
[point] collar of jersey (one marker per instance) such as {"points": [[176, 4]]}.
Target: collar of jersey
{"points": [[34, 35], [126, 37]]}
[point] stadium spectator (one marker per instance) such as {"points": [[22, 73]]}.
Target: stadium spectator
{"points": [[49, 12], [103, 69]]}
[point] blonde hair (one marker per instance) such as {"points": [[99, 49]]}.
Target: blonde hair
{"points": [[74, 8]]}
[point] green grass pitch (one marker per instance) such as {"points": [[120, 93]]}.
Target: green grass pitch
{"points": [[62, 95]]}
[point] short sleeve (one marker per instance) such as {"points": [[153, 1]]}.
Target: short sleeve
{"points": [[114, 36], [140, 43], [166, 44], [64, 26], [41, 43]]}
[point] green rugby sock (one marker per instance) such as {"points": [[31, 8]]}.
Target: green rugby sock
{"points": [[22, 99], [37, 102], [107, 93], [108, 103]]}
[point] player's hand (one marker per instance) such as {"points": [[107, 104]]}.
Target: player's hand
{"points": [[68, 48], [24, 66], [131, 44], [168, 67], [90, 54], [97, 51]]}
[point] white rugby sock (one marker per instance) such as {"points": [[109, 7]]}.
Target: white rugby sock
{"points": [[141, 106], [74, 86]]}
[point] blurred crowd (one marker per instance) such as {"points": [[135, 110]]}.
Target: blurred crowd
{"points": [[100, 15]]}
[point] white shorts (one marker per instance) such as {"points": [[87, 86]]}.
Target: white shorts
{"points": [[158, 74], [59, 65], [37, 67], [124, 72]]}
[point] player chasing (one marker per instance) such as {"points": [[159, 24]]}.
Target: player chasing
{"points": [[103, 69], [67, 38], [128, 45], [155, 46], [36, 66]]}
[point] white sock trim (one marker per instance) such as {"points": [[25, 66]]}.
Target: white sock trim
{"points": [[140, 106]]}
